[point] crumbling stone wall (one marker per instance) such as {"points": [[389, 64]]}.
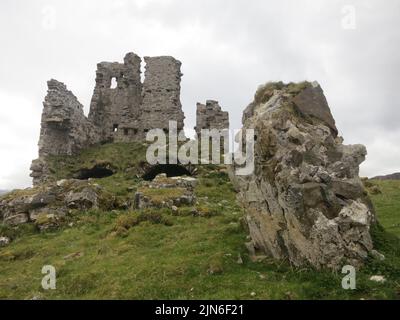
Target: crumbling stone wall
{"points": [[211, 116], [161, 93], [116, 111], [127, 112], [64, 128], [304, 202]]}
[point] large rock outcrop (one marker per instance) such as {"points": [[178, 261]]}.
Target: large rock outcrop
{"points": [[304, 202]]}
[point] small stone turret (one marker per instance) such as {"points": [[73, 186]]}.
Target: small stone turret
{"points": [[211, 116]]}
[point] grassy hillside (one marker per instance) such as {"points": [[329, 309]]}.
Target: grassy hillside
{"points": [[160, 254], [388, 204]]}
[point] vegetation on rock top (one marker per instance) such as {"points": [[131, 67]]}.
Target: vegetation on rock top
{"points": [[265, 92]]}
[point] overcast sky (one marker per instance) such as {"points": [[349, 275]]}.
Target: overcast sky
{"points": [[227, 48]]}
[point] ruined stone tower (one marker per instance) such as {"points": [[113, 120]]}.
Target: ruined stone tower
{"points": [[65, 129], [211, 116], [161, 93], [113, 108], [128, 110]]}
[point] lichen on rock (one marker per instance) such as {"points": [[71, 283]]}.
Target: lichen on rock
{"points": [[304, 201], [52, 202]]}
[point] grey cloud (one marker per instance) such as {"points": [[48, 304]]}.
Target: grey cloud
{"points": [[227, 48]]}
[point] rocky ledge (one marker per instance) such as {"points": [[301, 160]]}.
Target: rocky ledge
{"points": [[46, 206]]}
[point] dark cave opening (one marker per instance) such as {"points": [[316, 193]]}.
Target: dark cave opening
{"points": [[171, 170], [97, 172]]}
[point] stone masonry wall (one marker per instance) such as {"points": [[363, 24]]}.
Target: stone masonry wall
{"points": [[64, 128], [116, 111], [211, 116], [161, 93]]}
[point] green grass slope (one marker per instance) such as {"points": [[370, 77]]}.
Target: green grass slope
{"points": [[160, 254], [388, 204]]}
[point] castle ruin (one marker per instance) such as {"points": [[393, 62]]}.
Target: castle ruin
{"points": [[304, 202], [122, 109]]}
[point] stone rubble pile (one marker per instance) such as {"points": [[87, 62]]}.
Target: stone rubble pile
{"points": [[182, 192], [52, 202]]}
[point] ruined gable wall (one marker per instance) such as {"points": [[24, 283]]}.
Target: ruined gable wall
{"points": [[211, 116], [64, 128], [114, 109], [161, 93]]}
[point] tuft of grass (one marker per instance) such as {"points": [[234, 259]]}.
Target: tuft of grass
{"points": [[265, 92], [14, 232], [158, 196], [125, 222], [216, 263], [387, 204]]}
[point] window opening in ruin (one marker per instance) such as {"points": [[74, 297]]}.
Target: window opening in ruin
{"points": [[114, 83], [171, 170], [146, 130], [135, 131], [126, 132], [115, 128]]}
